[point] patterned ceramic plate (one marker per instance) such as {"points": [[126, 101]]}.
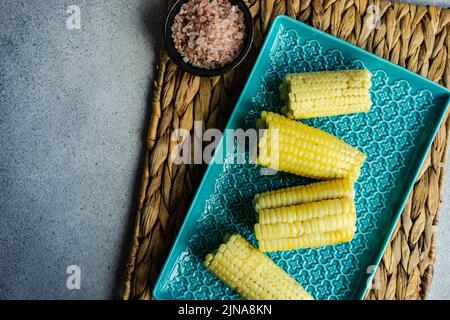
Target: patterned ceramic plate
{"points": [[396, 135]]}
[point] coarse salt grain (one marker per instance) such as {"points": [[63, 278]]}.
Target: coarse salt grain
{"points": [[209, 34]]}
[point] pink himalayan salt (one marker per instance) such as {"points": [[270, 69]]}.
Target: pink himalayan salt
{"points": [[209, 33]]}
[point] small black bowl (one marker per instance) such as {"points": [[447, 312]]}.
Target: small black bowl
{"points": [[178, 59]]}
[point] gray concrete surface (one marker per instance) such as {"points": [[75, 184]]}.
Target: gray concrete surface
{"points": [[440, 288], [73, 108], [73, 114], [441, 3]]}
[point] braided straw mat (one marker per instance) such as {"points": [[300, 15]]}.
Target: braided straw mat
{"points": [[416, 37]]}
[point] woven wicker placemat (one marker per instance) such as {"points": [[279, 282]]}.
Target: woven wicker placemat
{"points": [[415, 37]]}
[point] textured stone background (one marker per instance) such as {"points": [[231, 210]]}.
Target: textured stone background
{"points": [[73, 114], [72, 122]]}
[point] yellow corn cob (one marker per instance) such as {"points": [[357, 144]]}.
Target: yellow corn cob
{"points": [[330, 189], [312, 240], [300, 228], [252, 274], [326, 93], [307, 211], [294, 147]]}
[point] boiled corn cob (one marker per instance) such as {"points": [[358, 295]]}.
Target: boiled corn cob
{"points": [[330, 189], [294, 147], [300, 228], [311, 224], [312, 240], [251, 273], [326, 93], [307, 211]]}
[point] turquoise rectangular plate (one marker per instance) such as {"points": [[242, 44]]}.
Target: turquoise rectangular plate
{"points": [[396, 135]]}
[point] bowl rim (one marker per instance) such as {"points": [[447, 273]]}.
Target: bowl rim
{"points": [[178, 59]]}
